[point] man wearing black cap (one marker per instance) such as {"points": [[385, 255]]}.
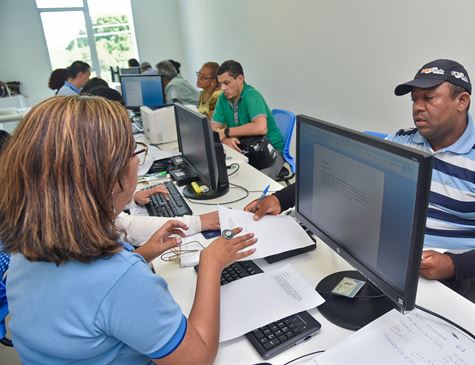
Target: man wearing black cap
{"points": [[440, 93]]}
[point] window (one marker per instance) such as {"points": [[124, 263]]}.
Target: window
{"points": [[99, 32]]}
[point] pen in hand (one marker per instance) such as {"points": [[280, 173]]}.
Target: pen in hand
{"points": [[263, 195]]}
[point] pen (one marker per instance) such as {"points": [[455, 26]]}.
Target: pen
{"points": [[264, 192]]}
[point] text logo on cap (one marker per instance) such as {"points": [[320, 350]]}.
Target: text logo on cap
{"points": [[459, 75], [433, 70]]}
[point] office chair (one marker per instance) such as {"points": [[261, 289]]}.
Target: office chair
{"points": [[4, 262], [285, 121], [376, 134]]}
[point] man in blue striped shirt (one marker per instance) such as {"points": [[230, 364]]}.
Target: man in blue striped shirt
{"points": [[440, 93]]}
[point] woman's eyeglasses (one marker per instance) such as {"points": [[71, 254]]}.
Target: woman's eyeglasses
{"points": [[200, 76], [141, 150]]}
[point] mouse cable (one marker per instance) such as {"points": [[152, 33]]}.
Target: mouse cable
{"points": [[301, 357], [231, 166], [246, 192], [467, 332]]}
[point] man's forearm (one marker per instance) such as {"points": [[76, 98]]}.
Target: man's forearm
{"points": [[464, 265]]}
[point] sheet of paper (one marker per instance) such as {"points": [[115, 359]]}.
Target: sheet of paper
{"points": [[413, 338], [275, 234], [257, 300]]}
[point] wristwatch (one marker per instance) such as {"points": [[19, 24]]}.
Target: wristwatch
{"points": [[226, 132]]}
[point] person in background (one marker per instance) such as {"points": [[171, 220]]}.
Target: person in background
{"points": [[92, 84], [70, 168], [57, 79], [176, 64], [133, 63], [241, 111], [147, 69], [207, 79], [78, 76], [4, 135], [176, 87]]}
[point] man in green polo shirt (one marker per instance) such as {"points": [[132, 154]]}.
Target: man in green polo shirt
{"points": [[241, 111]]}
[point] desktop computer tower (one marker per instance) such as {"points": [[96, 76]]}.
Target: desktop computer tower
{"points": [[159, 125]]}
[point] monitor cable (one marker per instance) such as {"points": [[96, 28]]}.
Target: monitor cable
{"points": [[246, 192], [301, 357], [467, 332]]}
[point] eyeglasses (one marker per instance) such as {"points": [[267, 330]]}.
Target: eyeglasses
{"points": [[141, 150], [200, 76]]}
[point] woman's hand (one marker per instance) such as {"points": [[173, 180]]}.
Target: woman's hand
{"points": [[210, 221], [222, 252], [162, 240], [142, 197]]}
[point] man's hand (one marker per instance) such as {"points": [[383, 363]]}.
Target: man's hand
{"points": [[143, 196], [436, 265], [233, 143], [269, 205], [210, 221], [162, 240]]}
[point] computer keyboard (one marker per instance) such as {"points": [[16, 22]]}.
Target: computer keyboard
{"points": [[280, 335], [238, 270], [277, 336], [173, 205]]}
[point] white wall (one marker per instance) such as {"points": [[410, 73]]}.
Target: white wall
{"points": [[23, 52], [336, 60], [157, 30]]}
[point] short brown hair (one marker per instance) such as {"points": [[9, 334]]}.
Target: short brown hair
{"points": [[57, 175]]}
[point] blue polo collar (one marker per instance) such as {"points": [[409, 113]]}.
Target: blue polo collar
{"points": [[72, 87], [462, 146]]}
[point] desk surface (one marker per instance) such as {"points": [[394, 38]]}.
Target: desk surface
{"points": [[314, 266]]}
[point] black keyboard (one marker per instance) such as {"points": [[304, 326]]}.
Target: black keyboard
{"points": [[238, 270], [173, 205], [277, 336]]}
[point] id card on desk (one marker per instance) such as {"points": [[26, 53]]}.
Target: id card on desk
{"points": [[348, 287]]}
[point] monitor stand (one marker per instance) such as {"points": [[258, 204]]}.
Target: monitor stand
{"points": [[210, 194], [352, 313]]}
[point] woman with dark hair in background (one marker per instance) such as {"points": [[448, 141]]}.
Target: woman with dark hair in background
{"points": [[57, 79], [133, 63], [207, 80], [70, 168], [78, 76], [92, 84]]}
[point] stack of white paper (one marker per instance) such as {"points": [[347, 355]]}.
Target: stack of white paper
{"points": [[394, 338], [257, 300], [275, 234]]}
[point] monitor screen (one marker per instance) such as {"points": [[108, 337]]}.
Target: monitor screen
{"points": [[195, 139], [142, 90], [367, 199], [130, 71]]}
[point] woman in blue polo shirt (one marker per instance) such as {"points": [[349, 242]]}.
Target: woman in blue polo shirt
{"points": [[78, 76], [77, 294]]}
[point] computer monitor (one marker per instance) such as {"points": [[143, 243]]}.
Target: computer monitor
{"points": [[130, 71], [367, 199], [202, 152], [142, 90]]}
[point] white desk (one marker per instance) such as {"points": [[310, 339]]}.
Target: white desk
{"points": [[314, 266]]}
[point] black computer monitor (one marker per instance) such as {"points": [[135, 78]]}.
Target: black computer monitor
{"points": [[130, 71], [202, 152], [367, 199], [142, 90]]}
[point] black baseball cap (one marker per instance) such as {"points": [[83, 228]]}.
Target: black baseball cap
{"points": [[435, 73]]}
